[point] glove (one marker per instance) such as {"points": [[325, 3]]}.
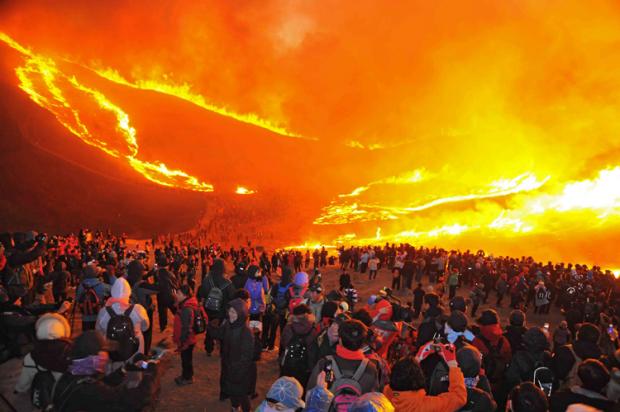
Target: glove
{"points": [[448, 353], [425, 351]]}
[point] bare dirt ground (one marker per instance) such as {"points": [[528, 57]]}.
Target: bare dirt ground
{"points": [[203, 395]]}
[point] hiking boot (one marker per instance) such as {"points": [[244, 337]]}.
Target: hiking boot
{"points": [[180, 381]]}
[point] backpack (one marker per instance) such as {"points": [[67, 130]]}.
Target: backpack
{"points": [[346, 389], [90, 301], [295, 358], [297, 298], [439, 381], [14, 285], [493, 362], [280, 300], [42, 387], [572, 379], [215, 298], [120, 329], [257, 296], [59, 400], [200, 322], [543, 377]]}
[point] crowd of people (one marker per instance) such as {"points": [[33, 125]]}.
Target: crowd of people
{"points": [[421, 344]]}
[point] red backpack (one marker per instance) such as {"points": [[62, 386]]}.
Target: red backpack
{"points": [[90, 301], [297, 298]]}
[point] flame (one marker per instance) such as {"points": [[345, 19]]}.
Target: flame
{"points": [[48, 86], [244, 191]]}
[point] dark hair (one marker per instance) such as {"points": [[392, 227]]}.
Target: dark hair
{"points": [[302, 309], [353, 334], [589, 332], [241, 294], [407, 375], [593, 374], [528, 397], [186, 290], [363, 316]]}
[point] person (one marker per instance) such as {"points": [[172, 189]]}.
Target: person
{"points": [[60, 281], [296, 339], [349, 359], [494, 347], [90, 294], [167, 284], [407, 272], [379, 307], [373, 266], [561, 335], [527, 397], [594, 377], [533, 355], [285, 395], [118, 305], [453, 282], [238, 371], [407, 382], [540, 300], [184, 334], [215, 292], [298, 293], [567, 358], [50, 353], [84, 388], [142, 290], [515, 330], [327, 340], [501, 287], [476, 295], [418, 299], [277, 313], [257, 286], [316, 302], [479, 396]]}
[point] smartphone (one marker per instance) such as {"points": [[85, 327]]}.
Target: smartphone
{"points": [[546, 326], [610, 329], [329, 374]]}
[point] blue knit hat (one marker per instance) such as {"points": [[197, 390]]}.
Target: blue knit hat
{"points": [[287, 391], [301, 279]]}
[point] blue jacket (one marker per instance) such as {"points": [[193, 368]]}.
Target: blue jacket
{"points": [[101, 289]]}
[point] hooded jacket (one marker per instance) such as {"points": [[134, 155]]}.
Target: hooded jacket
{"points": [[183, 334], [51, 350], [100, 289], [238, 352], [453, 400], [302, 325], [216, 277], [493, 333], [119, 302]]}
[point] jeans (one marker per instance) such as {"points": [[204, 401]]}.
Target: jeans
{"points": [[187, 363], [452, 291]]}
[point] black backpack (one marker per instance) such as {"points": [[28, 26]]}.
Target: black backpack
{"points": [[542, 294], [493, 363], [215, 298], [42, 387], [295, 357], [90, 301], [121, 330]]}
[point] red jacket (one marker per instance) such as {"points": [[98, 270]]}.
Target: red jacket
{"points": [[183, 334], [493, 333]]}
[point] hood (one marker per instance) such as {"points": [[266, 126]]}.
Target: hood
{"points": [[52, 354], [491, 332], [217, 269], [241, 308], [52, 326], [121, 289]]}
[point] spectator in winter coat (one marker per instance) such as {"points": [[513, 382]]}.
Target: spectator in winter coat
{"points": [[407, 382], [215, 308], [418, 299], [540, 298], [183, 335], [479, 397], [257, 286], [327, 340], [301, 325], [489, 339], [349, 355], [561, 335], [167, 284], [567, 358], [51, 350], [516, 329], [316, 301], [60, 281], [527, 397], [379, 308], [594, 377], [83, 387], [238, 353], [91, 282], [119, 304], [533, 354]]}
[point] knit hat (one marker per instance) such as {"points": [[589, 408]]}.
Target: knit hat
{"points": [[469, 359], [301, 279], [287, 391], [52, 326], [535, 339], [372, 299], [329, 310], [458, 321], [372, 402], [90, 342], [252, 271], [588, 333], [488, 317], [517, 318], [458, 303]]}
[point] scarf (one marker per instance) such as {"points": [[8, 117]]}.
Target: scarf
{"points": [[472, 382], [453, 335], [349, 354], [90, 365]]}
